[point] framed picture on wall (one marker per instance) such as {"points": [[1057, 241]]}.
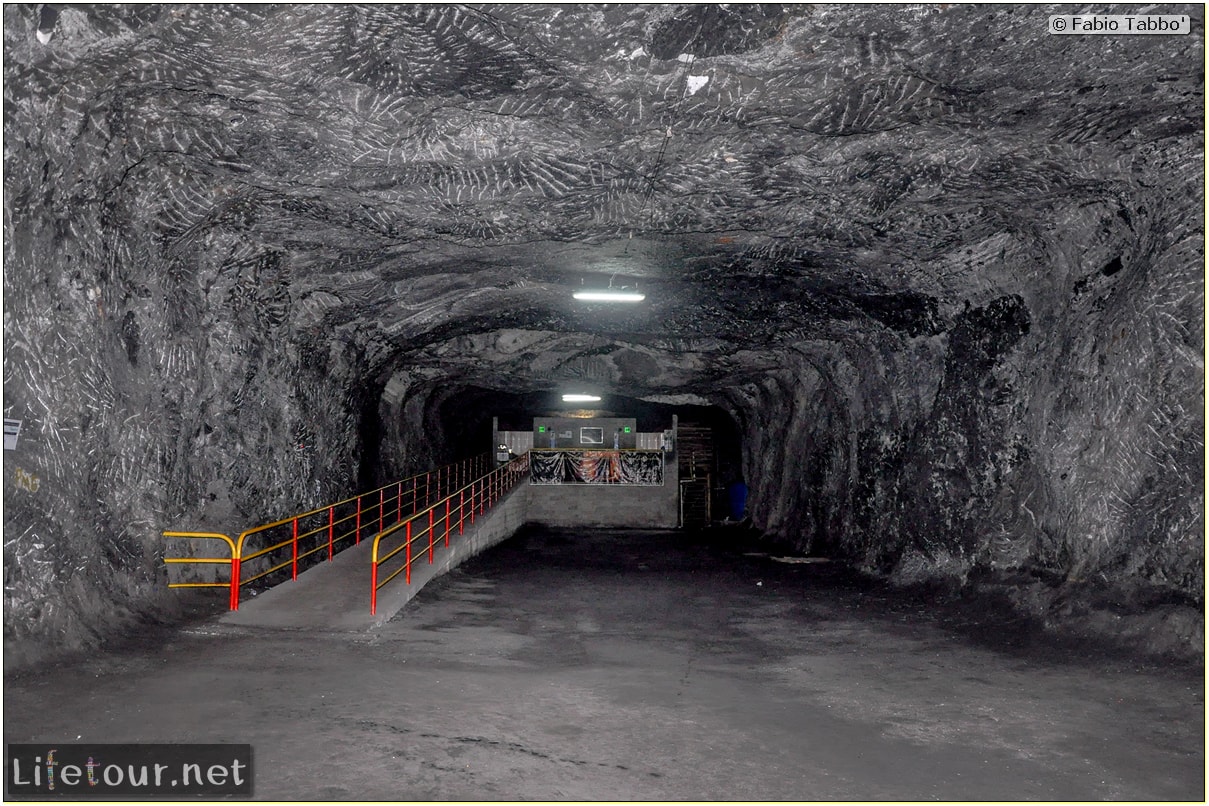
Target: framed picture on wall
{"points": [[591, 436]]}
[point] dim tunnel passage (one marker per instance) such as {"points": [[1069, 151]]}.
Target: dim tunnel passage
{"points": [[621, 463], [639, 664]]}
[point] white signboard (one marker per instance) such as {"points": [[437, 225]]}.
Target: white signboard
{"points": [[12, 428]]}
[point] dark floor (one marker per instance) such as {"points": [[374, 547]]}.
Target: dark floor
{"points": [[646, 665]]}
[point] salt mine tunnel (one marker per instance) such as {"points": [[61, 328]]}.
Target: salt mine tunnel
{"points": [[926, 282]]}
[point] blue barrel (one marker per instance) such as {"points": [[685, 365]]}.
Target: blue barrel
{"points": [[738, 500]]}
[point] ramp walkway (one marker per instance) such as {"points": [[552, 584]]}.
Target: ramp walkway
{"points": [[391, 541], [336, 595], [384, 545]]}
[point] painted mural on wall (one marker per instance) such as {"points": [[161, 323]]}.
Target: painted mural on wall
{"points": [[643, 468]]}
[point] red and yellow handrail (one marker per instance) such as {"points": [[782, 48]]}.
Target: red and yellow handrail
{"points": [[231, 559], [422, 527], [319, 526]]}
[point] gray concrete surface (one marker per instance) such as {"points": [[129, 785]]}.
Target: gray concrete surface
{"points": [[646, 665]]}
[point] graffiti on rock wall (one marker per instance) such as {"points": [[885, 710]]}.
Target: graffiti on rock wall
{"points": [[26, 481]]}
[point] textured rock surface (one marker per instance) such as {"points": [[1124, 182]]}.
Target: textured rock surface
{"points": [[945, 271]]}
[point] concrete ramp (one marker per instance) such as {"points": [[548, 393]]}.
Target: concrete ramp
{"points": [[335, 595]]}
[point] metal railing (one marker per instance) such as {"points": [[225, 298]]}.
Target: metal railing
{"points": [[270, 548], [435, 523]]}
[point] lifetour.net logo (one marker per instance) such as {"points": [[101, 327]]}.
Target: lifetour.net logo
{"points": [[92, 770]]}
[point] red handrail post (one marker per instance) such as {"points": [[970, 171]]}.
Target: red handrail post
{"points": [[358, 540], [474, 491], [234, 603], [408, 563], [381, 506], [431, 536], [399, 503], [415, 494], [427, 488], [447, 504], [373, 591], [331, 525], [295, 562], [461, 510]]}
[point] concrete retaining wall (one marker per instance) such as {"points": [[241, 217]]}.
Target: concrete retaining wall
{"points": [[495, 526], [599, 505]]}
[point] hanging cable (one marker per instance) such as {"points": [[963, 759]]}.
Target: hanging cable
{"points": [[657, 169]]}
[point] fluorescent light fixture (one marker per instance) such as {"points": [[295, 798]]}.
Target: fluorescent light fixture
{"points": [[609, 295], [580, 398]]}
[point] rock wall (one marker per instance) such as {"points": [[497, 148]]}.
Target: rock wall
{"points": [[1057, 431]]}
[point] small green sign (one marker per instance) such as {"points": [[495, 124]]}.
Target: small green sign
{"points": [[627, 429]]}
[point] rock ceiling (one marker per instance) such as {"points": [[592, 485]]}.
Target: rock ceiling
{"points": [[406, 176]]}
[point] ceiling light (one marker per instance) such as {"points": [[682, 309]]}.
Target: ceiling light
{"points": [[609, 295], [580, 398]]}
